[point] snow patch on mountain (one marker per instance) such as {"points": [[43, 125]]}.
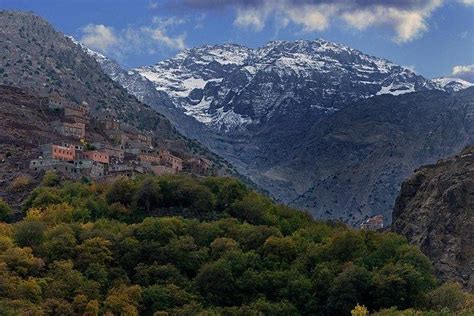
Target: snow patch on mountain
{"points": [[396, 89], [452, 84]]}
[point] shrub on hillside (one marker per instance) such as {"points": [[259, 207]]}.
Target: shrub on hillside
{"points": [[20, 183]]}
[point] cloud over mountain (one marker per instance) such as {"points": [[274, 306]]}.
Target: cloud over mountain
{"points": [[465, 72], [407, 18], [134, 39]]}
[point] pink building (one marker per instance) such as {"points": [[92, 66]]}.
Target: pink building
{"points": [[373, 223], [97, 156], [63, 153]]}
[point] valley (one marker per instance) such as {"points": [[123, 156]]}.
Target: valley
{"points": [[296, 118]]}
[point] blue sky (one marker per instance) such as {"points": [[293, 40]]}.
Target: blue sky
{"points": [[432, 36]]}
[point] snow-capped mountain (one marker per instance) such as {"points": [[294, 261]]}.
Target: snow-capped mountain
{"points": [[229, 87], [452, 84]]}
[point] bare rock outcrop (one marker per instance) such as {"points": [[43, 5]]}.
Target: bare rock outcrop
{"points": [[435, 210]]}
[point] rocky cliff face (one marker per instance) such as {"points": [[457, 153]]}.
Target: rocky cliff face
{"points": [[435, 210]]}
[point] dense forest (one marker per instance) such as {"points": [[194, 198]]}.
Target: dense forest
{"points": [[202, 246]]}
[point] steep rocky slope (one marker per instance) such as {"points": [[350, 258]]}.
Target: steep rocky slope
{"points": [[38, 58], [435, 210], [359, 157]]}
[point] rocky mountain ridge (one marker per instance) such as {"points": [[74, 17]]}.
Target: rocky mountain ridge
{"points": [[218, 85], [435, 210]]}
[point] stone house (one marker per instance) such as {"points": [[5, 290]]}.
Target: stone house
{"points": [[131, 139], [76, 113], [42, 164], [119, 168], [75, 130], [197, 165], [65, 167], [148, 158], [114, 175], [90, 168], [56, 102], [170, 160], [113, 151], [111, 124], [77, 146], [130, 157]]}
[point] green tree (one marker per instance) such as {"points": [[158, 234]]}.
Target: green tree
{"points": [[280, 248], [29, 233], [51, 179], [449, 295], [221, 246], [94, 250], [5, 210], [63, 281], [147, 275], [216, 283], [123, 300], [21, 261], [122, 191], [251, 208], [163, 298], [59, 243], [148, 195], [350, 287]]}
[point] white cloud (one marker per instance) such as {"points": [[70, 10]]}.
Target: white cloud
{"points": [[159, 35], [159, 32], [99, 37], [462, 69], [311, 17], [250, 18], [408, 19], [148, 39], [465, 72]]}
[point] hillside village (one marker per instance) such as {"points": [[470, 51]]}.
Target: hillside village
{"points": [[124, 151]]}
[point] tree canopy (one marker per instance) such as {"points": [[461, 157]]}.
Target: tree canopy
{"points": [[178, 245]]}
